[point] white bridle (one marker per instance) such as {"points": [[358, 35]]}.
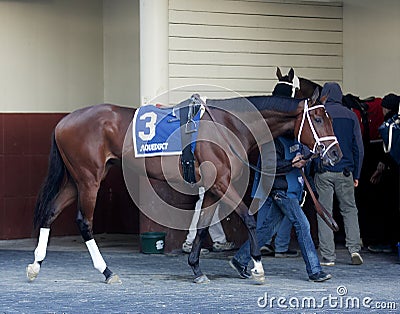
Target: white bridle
{"points": [[295, 85], [318, 140]]}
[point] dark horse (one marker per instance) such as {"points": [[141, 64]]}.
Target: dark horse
{"points": [[293, 86], [87, 142]]}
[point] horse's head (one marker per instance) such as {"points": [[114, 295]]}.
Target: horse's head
{"points": [[314, 129], [288, 85]]}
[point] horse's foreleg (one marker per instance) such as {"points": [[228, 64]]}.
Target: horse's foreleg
{"points": [[194, 256], [258, 271], [85, 225], [202, 227], [232, 198]]}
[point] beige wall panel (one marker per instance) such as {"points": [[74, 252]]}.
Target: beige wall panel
{"points": [[252, 33], [254, 59], [246, 46], [238, 44], [51, 55], [258, 8], [223, 19], [247, 72], [371, 47], [121, 52]]}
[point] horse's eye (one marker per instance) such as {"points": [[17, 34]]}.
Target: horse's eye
{"points": [[318, 120]]}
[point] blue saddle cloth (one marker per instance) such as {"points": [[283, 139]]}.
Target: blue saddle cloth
{"points": [[156, 131]]}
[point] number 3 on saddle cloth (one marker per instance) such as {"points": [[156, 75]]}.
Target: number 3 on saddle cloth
{"points": [[390, 132], [168, 131]]}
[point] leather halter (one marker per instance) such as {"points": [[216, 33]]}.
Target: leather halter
{"points": [[319, 146]]}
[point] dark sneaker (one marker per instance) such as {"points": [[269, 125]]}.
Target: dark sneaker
{"points": [[319, 277], [241, 270], [288, 253], [380, 248], [267, 250], [356, 259]]}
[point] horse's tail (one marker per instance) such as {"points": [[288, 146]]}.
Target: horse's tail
{"points": [[50, 187]]}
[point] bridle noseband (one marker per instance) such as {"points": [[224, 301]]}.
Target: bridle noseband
{"points": [[319, 146]]}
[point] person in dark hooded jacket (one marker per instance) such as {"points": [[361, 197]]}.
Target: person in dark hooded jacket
{"points": [[341, 179]]}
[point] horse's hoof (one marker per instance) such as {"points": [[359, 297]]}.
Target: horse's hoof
{"points": [[201, 279], [259, 278], [32, 271], [113, 279]]}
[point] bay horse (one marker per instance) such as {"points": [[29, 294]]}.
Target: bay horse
{"points": [[88, 141]]}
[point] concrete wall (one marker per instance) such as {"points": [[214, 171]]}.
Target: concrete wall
{"points": [[121, 52], [51, 55], [371, 47]]}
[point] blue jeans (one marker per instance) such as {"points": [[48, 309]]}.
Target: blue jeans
{"points": [[281, 205], [282, 228], [282, 239]]}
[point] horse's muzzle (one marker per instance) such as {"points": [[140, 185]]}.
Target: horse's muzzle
{"points": [[332, 156]]}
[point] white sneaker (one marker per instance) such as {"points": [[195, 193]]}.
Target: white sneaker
{"points": [[187, 248], [356, 258], [219, 247], [327, 262]]}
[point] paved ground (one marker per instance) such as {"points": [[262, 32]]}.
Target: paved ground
{"points": [[163, 283]]}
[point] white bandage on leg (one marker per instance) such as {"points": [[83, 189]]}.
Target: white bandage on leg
{"points": [[40, 251], [98, 261], [258, 267]]}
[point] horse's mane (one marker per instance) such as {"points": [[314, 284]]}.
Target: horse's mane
{"points": [[242, 104], [310, 83]]}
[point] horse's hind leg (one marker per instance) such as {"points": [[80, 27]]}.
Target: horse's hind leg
{"points": [[65, 197], [87, 201]]}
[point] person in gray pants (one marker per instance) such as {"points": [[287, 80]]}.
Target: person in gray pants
{"points": [[341, 179]]}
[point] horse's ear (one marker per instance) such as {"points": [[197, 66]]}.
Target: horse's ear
{"points": [[315, 96], [291, 75], [323, 99], [278, 73]]}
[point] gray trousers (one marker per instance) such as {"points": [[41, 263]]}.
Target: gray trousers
{"points": [[328, 184]]}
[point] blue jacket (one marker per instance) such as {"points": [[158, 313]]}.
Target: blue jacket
{"points": [[288, 178], [347, 130]]}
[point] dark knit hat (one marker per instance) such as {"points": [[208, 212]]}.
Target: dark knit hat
{"points": [[391, 102]]}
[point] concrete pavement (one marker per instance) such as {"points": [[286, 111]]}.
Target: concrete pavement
{"points": [[68, 283]]}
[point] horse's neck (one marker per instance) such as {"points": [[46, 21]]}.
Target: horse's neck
{"points": [[281, 123]]}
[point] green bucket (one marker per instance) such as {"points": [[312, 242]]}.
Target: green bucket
{"points": [[152, 242]]}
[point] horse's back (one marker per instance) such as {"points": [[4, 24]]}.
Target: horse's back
{"points": [[96, 127]]}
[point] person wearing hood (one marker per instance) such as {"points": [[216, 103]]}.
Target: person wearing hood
{"points": [[341, 179]]}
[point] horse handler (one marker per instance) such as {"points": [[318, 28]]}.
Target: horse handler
{"points": [[284, 198]]}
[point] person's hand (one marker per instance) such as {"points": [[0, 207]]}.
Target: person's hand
{"points": [[355, 183], [298, 161], [377, 175]]}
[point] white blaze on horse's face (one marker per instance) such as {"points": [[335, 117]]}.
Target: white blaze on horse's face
{"points": [[319, 146]]}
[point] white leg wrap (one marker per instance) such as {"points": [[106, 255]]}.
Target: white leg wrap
{"points": [[40, 251], [98, 261], [258, 268]]}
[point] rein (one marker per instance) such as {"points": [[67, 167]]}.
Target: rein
{"points": [[321, 211]]}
